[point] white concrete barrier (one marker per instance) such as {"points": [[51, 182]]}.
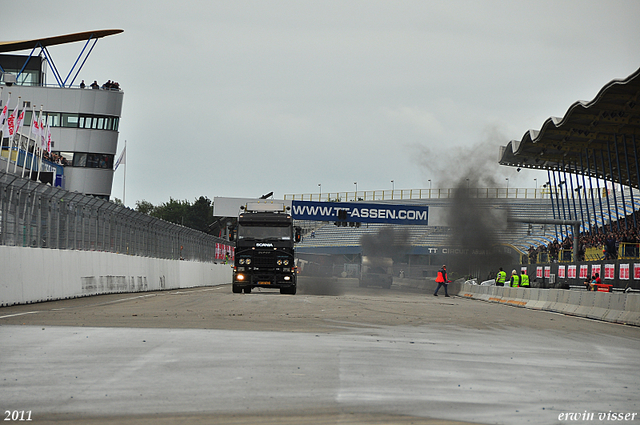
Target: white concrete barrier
{"points": [[30, 275], [612, 307], [631, 315], [616, 307]]}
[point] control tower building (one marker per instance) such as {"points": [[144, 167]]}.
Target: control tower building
{"points": [[84, 120]]}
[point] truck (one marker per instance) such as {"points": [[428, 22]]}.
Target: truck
{"points": [[376, 271], [264, 256]]}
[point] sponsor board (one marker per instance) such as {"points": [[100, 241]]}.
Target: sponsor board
{"points": [[360, 212]]}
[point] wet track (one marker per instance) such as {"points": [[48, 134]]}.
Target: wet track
{"points": [[331, 354]]}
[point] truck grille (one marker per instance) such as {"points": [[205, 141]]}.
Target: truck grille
{"points": [[264, 260]]}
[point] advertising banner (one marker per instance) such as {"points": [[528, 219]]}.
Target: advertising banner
{"points": [[609, 271], [360, 212], [624, 271], [561, 274], [572, 272], [584, 271]]}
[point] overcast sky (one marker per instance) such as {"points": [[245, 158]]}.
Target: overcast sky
{"points": [[240, 98]]}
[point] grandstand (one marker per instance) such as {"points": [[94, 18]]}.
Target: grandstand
{"points": [[328, 238]]}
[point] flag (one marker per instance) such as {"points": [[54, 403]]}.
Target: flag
{"points": [[35, 125], [48, 139], [43, 136], [20, 120], [10, 125], [122, 159], [3, 115]]}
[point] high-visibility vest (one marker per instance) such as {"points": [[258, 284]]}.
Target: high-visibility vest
{"points": [[524, 280], [440, 277], [502, 276], [515, 281]]}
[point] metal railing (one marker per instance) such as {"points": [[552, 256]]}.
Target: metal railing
{"points": [[408, 194], [33, 214]]}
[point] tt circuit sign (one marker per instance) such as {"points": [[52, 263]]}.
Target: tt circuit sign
{"points": [[358, 212]]}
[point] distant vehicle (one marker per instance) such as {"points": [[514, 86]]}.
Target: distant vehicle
{"points": [[264, 256], [376, 271]]}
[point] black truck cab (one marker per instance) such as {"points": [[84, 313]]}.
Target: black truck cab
{"points": [[264, 257]]}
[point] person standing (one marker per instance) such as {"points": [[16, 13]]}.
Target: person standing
{"points": [[524, 279], [515, 279], [501, 277], [442, 280]]}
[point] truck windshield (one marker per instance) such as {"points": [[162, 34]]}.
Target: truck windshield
{"points": [[264, 232]]}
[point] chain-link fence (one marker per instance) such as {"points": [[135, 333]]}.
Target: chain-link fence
{"points": [[33, 214]]}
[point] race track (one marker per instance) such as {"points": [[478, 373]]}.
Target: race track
{"points": [[333, 354]]}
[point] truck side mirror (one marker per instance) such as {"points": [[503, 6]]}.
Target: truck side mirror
{"points": [[232, 233]]}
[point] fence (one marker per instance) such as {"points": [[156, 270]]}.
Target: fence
{"points": [[36, 215], [443, 193]]}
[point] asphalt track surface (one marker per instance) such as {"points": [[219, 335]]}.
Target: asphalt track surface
{"points": [[333, 354]]}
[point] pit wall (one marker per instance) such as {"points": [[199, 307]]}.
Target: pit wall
{"points": [[616, 307], [29, 275]]}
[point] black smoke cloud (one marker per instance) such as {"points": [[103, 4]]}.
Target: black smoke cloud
{"points": [[475, 222], [387, 242]]}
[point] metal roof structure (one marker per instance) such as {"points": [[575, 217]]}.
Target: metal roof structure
{"points": [[599, 138], [90, 38], [14, 46]]}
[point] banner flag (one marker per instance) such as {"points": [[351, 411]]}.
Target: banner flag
{"points": [[3, 115], [11, 124], [48, 141], [20, 120], [122, 159], [35, 125]]}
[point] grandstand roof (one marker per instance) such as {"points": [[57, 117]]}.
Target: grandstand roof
{"points": [[14, 46], [601, 137]]}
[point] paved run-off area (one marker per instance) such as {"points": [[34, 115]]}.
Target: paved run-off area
{"points": [[356, 356]]}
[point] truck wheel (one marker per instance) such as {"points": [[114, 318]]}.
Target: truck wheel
{"points": [[247, 290], [236, 289]]}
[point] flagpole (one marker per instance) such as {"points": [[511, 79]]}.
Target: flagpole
{"points": [[36, 147], [124, 184], [24, 165], [12, 132], [3, 119], [18, 125]]}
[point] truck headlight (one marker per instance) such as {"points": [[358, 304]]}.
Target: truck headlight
{"points": [[285, 262], [241, 261], [287, 278], [248, 261], [240, 276], [279, 262]]}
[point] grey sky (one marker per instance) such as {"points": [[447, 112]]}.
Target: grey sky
{"points": [[240, 98]]}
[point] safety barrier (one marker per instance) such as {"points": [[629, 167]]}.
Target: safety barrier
{"points": [[611, 307], [30, 275]]}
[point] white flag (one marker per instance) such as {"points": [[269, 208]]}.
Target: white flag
{"points": [[48, 140], [11, 123], [122, 159], [35, 125], [3, 115], [20, 120]]}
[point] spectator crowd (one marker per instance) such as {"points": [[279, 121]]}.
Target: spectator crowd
{"points": [[608, 238]]}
